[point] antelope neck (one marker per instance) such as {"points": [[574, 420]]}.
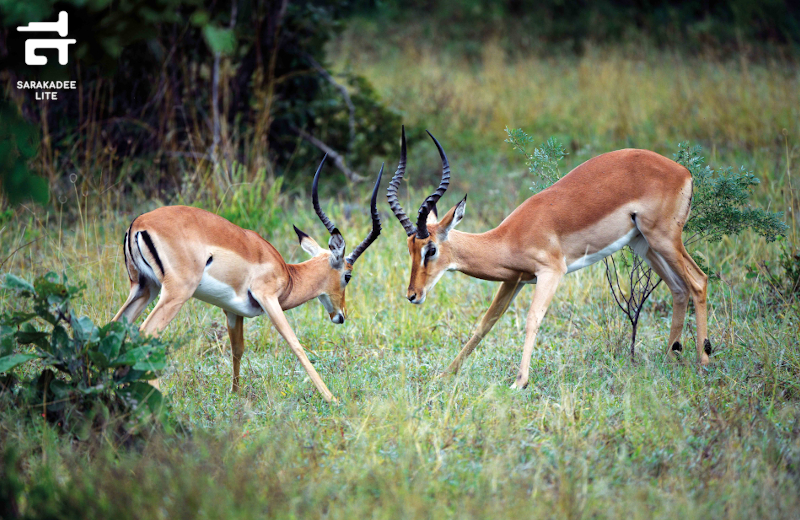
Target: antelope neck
{"points": [[481, 255], [305, 281]]}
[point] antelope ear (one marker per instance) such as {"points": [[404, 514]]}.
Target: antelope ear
{"points": [[307, 243], [336, 245], [451, 219], [433, 216]]}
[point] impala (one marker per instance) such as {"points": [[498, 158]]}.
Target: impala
{"points": [[186, 252], [627, 197]]}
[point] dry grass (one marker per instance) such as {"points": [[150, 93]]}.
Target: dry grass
{"points": [[641, 98]]}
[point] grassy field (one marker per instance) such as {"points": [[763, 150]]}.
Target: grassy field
{"points": [[595, 435]]}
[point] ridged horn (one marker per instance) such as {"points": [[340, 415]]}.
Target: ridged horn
{"points": [[391, 191], [376, 223], [315, 200], [430, 202]]}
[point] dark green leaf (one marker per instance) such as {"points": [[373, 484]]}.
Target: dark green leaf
{"points": [[33, 337], [60, 342], [17, 284], [59, 389], [148, 358], [142, 395], [220, 40], [110, 345], [17, 318], [14, 360], [84, 329]]}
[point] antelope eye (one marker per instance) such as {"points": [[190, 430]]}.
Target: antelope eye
{"points": [[347, 278], [431, 251]]}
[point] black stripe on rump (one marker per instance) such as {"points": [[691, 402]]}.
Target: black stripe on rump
{"points": [[129, 235], [136, 239], [125, 254], [149, 243]]}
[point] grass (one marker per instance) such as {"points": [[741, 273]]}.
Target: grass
{"points": [[594, 435], [634, 94]]}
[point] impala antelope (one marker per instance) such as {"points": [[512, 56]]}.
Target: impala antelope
{"points": [[186, 252], [627, 197]]}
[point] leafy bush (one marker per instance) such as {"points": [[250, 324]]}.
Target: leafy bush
{"points": [[185, 84], [543, 161], [18, 145], [720, 201], [82, 377]]}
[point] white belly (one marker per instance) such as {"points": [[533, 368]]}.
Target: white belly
{"points": [[587, 260], [222, 295]]}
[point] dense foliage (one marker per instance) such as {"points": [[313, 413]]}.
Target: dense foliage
{"points": [[85, 377], [18, 146], [166, 85]]}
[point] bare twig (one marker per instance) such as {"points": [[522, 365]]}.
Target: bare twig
{"points": [[15, 251], [642, 286], [346, 95], [338, 161], [216, 127]]}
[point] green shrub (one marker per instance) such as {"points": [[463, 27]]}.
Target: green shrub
{"points": [[721, 201], [74, 374], [185, 85], [543, 161]]}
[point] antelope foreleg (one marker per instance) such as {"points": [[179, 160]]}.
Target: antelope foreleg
{"points": [[163, 313], [236, 335], [502, 300], [546, 285], [278, 318]]}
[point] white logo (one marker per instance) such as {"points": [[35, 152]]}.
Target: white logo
{"points": [[31, 46]]}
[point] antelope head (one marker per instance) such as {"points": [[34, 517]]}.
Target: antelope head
{"points": [[428, 244], [335, 267]]}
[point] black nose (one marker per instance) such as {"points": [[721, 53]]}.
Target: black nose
{"points": [[411, 298]]}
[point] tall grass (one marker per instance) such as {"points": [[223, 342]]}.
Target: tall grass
{"points": [[630, 96], [594, 435]]}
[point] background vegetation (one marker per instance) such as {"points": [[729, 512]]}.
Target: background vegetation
{"points": [[594, 435]]}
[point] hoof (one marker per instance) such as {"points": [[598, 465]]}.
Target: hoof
{"points": [[516, 385]]}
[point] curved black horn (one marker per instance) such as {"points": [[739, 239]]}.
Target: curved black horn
{"points": [[391, 191], [315, 200], [430, 202], [376, 223]]}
